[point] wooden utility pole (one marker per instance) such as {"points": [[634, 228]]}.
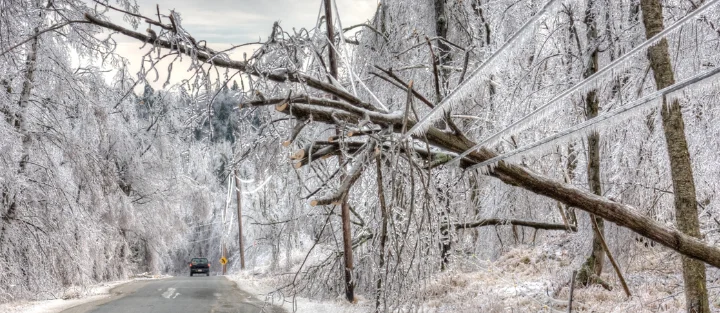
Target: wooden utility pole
{"points": [[331, 39], [345, 208], [223, 258], [238, 192]]}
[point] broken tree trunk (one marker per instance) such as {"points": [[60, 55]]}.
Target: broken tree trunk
{"points": [[696, 297]]}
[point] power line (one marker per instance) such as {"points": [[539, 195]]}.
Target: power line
{"points": [[605, 117], [586, 81], [439, 107]]}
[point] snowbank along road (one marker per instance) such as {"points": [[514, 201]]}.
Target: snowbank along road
{"points": [[179, 294]]}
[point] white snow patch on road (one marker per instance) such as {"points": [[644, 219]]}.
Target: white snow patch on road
{"points": [[148, 276], [168, 293]]}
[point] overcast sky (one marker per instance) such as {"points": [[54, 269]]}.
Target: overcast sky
{"points": [[223, 23]]}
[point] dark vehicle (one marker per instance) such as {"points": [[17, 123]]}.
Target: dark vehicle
{"points": [[199, 266]]}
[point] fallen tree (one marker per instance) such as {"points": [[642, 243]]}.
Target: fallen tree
{"points": [[350, 110]]}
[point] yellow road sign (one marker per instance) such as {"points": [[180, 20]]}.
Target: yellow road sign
{"points": [[223, 261]]}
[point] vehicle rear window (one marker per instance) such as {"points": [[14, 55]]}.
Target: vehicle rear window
{"points": [[199, 261]]}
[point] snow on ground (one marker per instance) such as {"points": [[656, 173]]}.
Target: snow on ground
{"points": [[72, 297], [523, 279], [264, 288], [535, 279]]}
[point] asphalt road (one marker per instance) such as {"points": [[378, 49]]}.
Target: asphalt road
{"points": [[201, 294]]}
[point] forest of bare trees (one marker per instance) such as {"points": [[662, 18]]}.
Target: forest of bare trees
{"points": [[370, 161]]}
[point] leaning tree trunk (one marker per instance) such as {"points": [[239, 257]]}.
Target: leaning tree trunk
{"points": [[696, 298]]}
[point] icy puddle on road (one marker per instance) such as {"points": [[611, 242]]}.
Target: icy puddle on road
{"points": [[178, 294]]}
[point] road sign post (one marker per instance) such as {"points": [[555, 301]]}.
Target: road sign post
{"points": [[223, 260]]}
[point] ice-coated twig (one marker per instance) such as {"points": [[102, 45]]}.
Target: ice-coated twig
{"points": [[343, 43], [638, 104], [586, 81], [352, 73], [436, 112]]}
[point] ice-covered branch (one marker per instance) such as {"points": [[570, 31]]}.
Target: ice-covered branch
{"points": [[349, 180], [461, 88], [513, 222], [206, 55]]}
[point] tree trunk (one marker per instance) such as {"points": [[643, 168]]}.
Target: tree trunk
{"points": [[475, 185], [696, 298], [477, 8], [347, 248], [593, 266], [18, 121], [443, 58], [345, 208], [383, 233], [445, 236], [441, 30]]}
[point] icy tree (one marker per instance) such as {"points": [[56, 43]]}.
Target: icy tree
{"points": [[440, 132]]}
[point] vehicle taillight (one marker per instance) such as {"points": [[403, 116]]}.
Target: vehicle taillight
{"points": [[209, 264]]}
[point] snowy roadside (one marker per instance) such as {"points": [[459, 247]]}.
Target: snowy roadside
{"points": [[525, 279], [533, 279], [263, 287], [72, 297]]}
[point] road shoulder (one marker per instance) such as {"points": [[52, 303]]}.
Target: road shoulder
{"points": [[114, 294]]}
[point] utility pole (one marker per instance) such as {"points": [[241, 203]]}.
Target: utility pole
{"points": [[345, 208], [223, 259], [239, 219]]}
